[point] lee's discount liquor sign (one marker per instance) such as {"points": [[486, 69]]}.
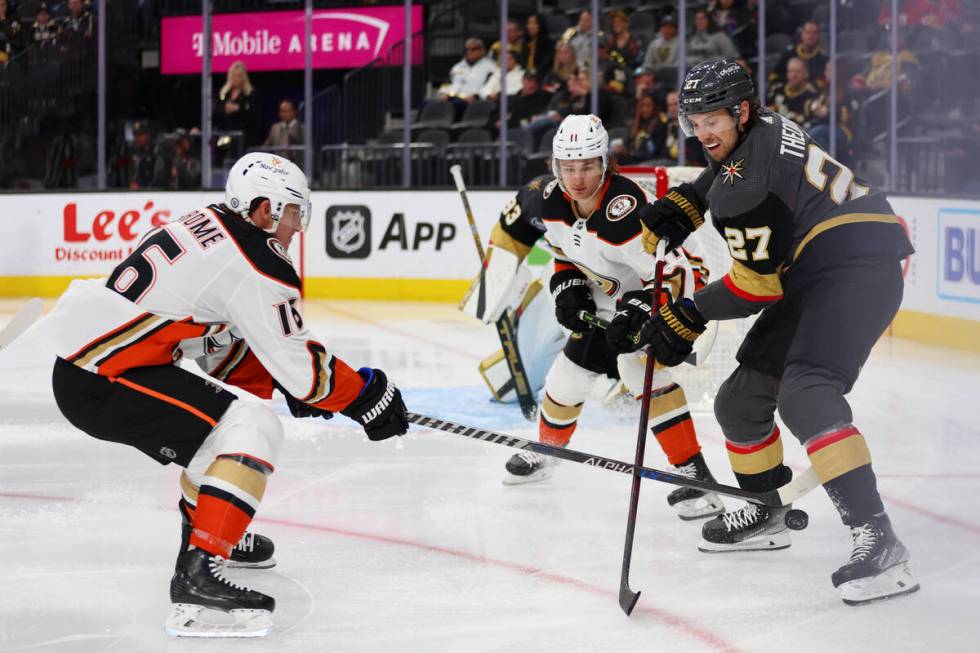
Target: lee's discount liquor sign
{"points": [[273, 40]]}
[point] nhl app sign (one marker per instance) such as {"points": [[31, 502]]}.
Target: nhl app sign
{"points": [[348, 231]]}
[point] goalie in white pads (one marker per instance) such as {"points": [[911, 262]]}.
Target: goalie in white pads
{"points": [[219, 270], [587, 213]]}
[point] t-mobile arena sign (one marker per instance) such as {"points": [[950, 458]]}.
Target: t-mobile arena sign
{"points": [[273, 40]]}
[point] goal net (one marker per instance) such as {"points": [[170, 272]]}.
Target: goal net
{"points": [[700, 383]]}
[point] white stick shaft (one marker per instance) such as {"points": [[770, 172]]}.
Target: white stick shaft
{"points": [[24, 318], [457, 172]]}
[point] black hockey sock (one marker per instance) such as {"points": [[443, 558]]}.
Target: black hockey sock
{"points": [[765, 481], [855, 495]]}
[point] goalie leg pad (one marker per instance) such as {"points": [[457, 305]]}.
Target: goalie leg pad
{"points": [[502, 283]]}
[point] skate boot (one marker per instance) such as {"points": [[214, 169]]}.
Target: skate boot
{"points": [[253, 551], [529, 467], [695, 504], [879, 565], [750, 528], [206, 604]]}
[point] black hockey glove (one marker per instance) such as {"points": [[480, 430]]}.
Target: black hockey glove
{"points": [[673, 217], [632, 311], [299, 408], [672, 331], [379, 408], [571, 292]]}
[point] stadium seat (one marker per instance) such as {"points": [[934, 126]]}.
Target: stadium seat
{"points": [[435, 114], [477, 115]]}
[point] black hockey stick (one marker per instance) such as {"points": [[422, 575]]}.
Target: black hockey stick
{"points": [[505, 328], [20, 322], [783, 496], [627, 597]]}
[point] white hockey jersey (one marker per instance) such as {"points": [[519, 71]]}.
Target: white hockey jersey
{"points": [[200, 279], [607, 246]]}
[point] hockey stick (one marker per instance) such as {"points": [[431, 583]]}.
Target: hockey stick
{"points": [[627, 597], [600, 323], [776, 498], [505, 328], [23, 319]]}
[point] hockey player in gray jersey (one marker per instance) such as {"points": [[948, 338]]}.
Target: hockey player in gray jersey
{"points": [[818, 253]]}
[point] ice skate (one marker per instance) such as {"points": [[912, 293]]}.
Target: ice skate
{"points": [[695, 504], [879, 565], [253, 551], [206, 604], [529, 467], [750, 528]]}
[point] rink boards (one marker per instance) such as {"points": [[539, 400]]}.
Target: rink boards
{"points": [[416, 245]]}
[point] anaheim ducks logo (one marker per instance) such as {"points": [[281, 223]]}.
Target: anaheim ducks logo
{"points": [[619, 207], [278, 249], [731, 170], [550, 187], [608, 285]]}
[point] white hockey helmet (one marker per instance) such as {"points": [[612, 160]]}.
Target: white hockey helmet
{"points": [[264, 175], [579, 137]]}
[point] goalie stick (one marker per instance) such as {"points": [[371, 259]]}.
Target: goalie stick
{"points": [[21, 321], [505, 327], [785, 495]]}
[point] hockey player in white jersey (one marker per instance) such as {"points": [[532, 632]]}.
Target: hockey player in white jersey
{"points": [[219, 270], [588, 215]]}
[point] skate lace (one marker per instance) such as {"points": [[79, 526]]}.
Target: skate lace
{"points": [[864, 538], [741, 518], [530, 457], [247, 543], [689, 470], [217, 564]]}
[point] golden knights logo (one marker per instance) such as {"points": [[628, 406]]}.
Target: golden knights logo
{"points": [[348, 231], [731, 170]]}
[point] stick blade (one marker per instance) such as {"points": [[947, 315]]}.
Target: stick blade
{"points": [[25, 317], [627, 599]]}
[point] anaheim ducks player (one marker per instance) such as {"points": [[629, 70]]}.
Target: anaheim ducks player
{"points": [[820, 255], [219, 268], [589, 217]]}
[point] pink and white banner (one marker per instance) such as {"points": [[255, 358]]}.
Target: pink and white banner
{"points": [[273, 40]]}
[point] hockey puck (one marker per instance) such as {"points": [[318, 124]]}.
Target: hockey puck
{"points": [[796, 520]]}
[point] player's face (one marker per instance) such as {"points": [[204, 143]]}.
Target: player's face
{"points": [[581, 178], [290, 222], [717, 131]]}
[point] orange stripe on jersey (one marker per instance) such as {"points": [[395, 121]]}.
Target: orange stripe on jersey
{"points": [[156, 347], [130, 327], [250, 375], [561, 266], [246, 256], [162, 397], [346, 385]]}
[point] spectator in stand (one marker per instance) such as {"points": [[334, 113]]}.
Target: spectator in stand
{"points": [[562, 70], [180, 171], [467, 76], [44, 29], [645, 82], [515, 43], [11, 35], [78, 20], [135, 164], [725, 15], [617, 74], [577, 98], [648, 133], [706, 43], [531, 101], [808, 50], [515, 75], [664, 49], [924, 13], [236, 110], [539, 50], [693, 152], [287, 132], [879, 75], [620, 40], [580, 37], [847, 104], [794, 98]]}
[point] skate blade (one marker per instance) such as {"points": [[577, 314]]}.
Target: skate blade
{"points": [[771, 542], [188, 620], [536, 477], [699, 508], [264, 564], [892, 582]]}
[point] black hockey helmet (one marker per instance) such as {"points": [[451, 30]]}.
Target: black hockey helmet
{"points": [[711, 85]]}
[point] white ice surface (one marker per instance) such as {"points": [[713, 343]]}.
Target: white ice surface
{"points": [[413, 544]]}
